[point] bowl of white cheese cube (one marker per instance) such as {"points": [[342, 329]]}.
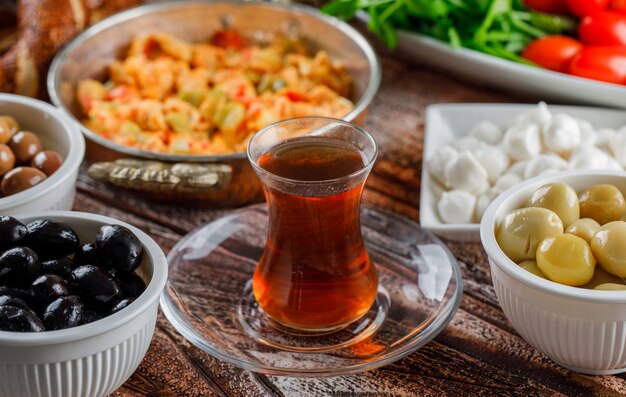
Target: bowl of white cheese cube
{"points": [[474, 152]]}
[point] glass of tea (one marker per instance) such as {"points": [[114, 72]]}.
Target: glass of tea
{"points": [[315, 274]]}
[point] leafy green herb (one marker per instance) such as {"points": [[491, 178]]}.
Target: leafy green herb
{"points": [[501, 28]]}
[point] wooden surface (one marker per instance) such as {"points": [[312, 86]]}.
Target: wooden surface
{"points": [[477, 354]]}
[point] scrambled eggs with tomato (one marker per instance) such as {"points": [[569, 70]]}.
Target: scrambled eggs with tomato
{"points": [[169, 96]]}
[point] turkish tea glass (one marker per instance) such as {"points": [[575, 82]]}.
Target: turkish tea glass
{"points": [[315, 274]]}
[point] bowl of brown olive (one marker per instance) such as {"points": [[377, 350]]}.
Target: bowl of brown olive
{"points": [[40, 152], [557, 252], [79, 295]]}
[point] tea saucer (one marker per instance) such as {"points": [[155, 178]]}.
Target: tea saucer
{"points": [[208, 298]]}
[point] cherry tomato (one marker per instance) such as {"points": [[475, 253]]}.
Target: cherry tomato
{"points": [[549, 6], [618, 6], [604, 28], [553, 52], [601, 63], [583, 8]]}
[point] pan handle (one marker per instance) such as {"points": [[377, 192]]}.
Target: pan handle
{"points": [[151, 176]]}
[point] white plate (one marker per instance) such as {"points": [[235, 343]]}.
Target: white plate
{"points": [[445, 123], [538, 83]]}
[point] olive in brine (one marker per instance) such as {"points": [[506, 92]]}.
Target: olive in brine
{"points": [[566, 259], [52, 239], [118, 248], [531, 266], [610, 287], [8, 128], [16, 319], [584, 228], [47, 288], [61, 267], [131, 283], [86, 255], [602, 203], [25, 145], [19, 266], [19, 179], [521, 231], [12, 231], [122, 304], [64, 312], [95, 287], [609, 247], [559, 198], [47, 161], [7, 159], [601, 276]]}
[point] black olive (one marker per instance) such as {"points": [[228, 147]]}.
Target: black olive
{"points": [[65, 312], [118, 248], [19, 266], [61, 267], [86, 255], [47, 288], [51, 239], [95, 287], [11, 231], [19, 320], [8, 300], [90, 315], [16, 293], [122, 304], [131, 284]]}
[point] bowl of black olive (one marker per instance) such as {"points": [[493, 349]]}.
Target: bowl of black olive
{"points": [[78, 302]]}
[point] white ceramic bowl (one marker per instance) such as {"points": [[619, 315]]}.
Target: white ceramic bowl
{"points": [[57, 132], [582, 330], [93, 359]]}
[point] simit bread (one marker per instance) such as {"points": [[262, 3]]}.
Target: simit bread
{"points": [[43, 27]]}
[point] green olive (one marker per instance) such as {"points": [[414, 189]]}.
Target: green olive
{"points": [[602, 203], [584, 228], [601, 276], [560, 198], [532, 267], [566, 259], [521, 231], [611, 287], [609, 247]]}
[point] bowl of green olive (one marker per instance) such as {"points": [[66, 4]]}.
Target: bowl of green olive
{"points": [[557, 251]]}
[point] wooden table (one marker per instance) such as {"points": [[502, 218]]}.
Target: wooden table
{"points": [[479, 353]]}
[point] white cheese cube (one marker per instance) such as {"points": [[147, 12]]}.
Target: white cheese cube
{"points": [[562, 134], [456, 206], [521, 142], [466, 173], [487, 132], [437, 163]]}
